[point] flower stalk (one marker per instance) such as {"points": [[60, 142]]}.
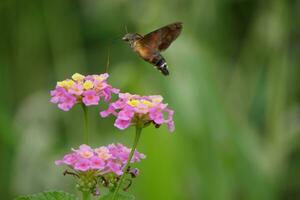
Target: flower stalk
{"points": [[86, 124], [86, 195], [138, 131]]}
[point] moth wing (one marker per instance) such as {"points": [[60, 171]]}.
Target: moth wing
{"points": [[161, 38]]}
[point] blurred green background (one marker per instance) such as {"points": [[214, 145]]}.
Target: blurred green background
{"points": [[234, 86]]}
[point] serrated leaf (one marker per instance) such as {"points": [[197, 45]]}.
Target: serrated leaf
{"points": [[120, 196], [54, 195]]}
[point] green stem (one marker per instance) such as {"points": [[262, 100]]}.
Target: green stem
{"points": [[86, 195], [138, 131], [86, 125]]}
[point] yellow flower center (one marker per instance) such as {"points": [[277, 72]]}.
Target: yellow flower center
{"points": [[103, 153], [133, 102], [88, 85], [86, 154], [104, 156]]}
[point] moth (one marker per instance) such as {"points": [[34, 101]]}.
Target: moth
{"points": [[149, 46]]}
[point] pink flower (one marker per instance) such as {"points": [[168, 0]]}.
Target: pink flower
{"points": [[97, 163], [76, 89], [99, 85], [57, 94], [119, 151], [108, 91], [141, 108], [85, 151], [109, 111], [122, 124], [103, 153], [82, 165], [88, 90], [90, 98], [70, 159], [171, 126], [137, 157], [118, 104], [66, 102], [156, 115], [59, 162], [132, 109], [115, 167]]}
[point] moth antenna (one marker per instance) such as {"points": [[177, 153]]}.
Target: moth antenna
{"points": [[107, 63], [126, 29]]}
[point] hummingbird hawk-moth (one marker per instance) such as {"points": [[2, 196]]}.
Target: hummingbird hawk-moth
{"points": [[150, 45]]}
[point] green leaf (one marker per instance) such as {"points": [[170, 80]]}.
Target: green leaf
{"points": [[48, 196], [120, 196]]}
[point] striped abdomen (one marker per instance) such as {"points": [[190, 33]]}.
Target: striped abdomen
{"points": [[160, 64]]}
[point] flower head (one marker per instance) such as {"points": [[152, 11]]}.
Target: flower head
{"points": [[82, 89], [103, 160], [102, 165], [134, 109]]}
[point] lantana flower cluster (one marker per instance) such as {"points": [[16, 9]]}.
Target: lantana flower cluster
{"points": [[103, 160], [108, 166], [87, 90], [132, 109]]}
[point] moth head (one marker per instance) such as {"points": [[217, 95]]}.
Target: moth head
{"points": [[131, 37]]}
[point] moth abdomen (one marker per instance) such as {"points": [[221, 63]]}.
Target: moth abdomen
{"points": [[164, 69], [161, 65]]}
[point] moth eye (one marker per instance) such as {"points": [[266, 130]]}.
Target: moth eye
{"points": [[125, 39]]}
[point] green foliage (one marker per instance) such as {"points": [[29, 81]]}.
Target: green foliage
{"points": [[120, 196], [48, 196]]}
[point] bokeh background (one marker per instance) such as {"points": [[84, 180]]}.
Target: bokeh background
{"points": [[234, 86]]}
